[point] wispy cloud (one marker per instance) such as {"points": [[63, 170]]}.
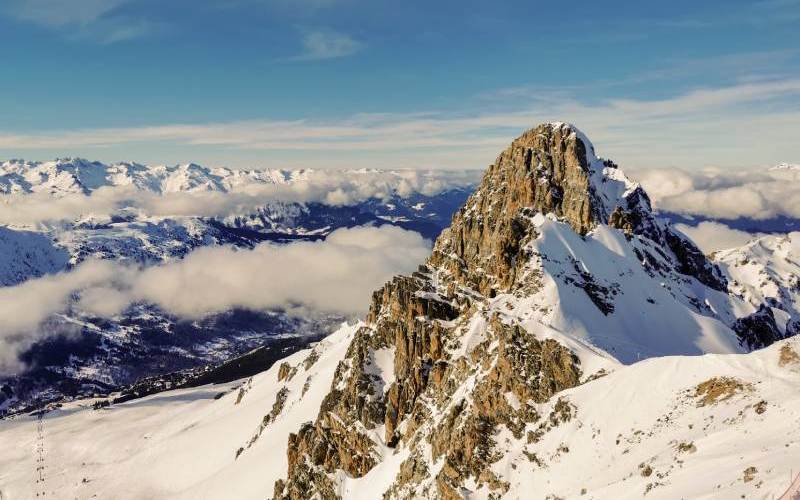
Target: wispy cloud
{"points": [[58, 13], [99, 20], [325, 44], [737, 125], [120, 30], [736, 67]]}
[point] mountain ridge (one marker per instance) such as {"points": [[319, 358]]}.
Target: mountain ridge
{"points": [[81, 176]]}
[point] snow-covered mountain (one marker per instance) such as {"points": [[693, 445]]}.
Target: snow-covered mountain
{"points": [[765, 271], [561, 341], [71, 176], [79, 176], [554, 272], [59, 214]]}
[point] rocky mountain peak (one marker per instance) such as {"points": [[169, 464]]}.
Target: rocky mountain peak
{"points": [[550, 169], [555, 168], [480, 338]]}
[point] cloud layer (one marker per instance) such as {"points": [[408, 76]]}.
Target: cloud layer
{"points": [[692, 129], [713, 236], [334, 275], [335, 188], [723, 193]]}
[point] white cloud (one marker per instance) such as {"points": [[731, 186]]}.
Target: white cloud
{"points": [[723, 193], [713, 236], [323, 44], [124, 29], [88, 19], [744, 124], [59, 13], [24, 307], [334, 275]]}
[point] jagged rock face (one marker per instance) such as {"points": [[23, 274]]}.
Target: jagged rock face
{"points": [[759, 329], [357, 403], [442, 367], [511, 371], [520, 371], [545, 170]]}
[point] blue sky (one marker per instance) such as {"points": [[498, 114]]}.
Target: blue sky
{"points": [[339, 83]]}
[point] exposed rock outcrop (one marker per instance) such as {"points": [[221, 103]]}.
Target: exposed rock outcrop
{"points": [[758, 329], [544, 170]]}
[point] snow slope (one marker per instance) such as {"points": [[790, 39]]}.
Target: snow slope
{"points": [[643, 427], [629, 311], [177, 444], [28, 254], [646, 430]]}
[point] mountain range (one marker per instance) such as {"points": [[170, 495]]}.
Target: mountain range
{"points": [[561, 341], [74, 211]]}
